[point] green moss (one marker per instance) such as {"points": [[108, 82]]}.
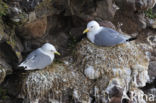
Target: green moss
{"points": [[72, 41], [3, 93], [149, 13], [1, 27], [3, 8], [18, 53], [12, 43]]}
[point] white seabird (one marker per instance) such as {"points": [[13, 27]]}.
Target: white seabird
{"points": [[40, 58], [104, 36]]}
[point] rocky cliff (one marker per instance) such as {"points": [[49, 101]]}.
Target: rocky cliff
{"points": [[84, 73]]}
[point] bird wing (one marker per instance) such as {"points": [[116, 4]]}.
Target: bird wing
{"points": [[109, 37], [36, 60]]}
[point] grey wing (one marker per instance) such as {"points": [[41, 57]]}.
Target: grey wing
{"points": [[109, 37], [37, 60]]}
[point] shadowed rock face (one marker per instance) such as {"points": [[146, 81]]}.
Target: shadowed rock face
{"points": [[132, 13], [5, 69]]}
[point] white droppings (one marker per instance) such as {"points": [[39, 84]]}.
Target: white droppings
{"points": [[16, 20], [64, 80], [148, 55], [75, 94], [116, 7], [125, 96], [66, 62], [140, 76], [35, 101], [17, 10], [114, 82], [96, 91], [91, 73], [54, 101], [144, 78]]}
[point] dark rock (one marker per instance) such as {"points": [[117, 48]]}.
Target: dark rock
{"points": [[105, 9], [115, 100], [9, 57], [152, 69], [3, 35], [107, 24], [129, 15], [116, 92], [133, 9], [144, 4], [136, 5], [92, 9], [33, 30], [5, 66], [29, 5], [60, 40], [5, 69]]}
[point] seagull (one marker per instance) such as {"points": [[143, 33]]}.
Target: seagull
{"points": [[40, 58], [103, 36]]}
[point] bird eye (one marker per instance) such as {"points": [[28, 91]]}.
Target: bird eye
{"points": [[91, 26]]}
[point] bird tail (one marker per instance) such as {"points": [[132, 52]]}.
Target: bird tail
{"points": [[21, 65], [131, 39]]}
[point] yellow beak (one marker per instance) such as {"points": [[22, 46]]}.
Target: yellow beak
{"points": [[85, 31], [57, 53]]}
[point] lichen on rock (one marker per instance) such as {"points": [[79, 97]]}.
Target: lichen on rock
{"points": [[3, 8]]}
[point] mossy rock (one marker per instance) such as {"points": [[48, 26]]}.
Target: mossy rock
{"points": [[149, 13], [44, 8], [3, 8]]}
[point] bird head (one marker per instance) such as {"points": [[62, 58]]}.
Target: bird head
{"points": [[92, 26], [50, 48]]}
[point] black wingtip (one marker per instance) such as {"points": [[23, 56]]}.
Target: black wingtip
{"points": [[131, 39]]}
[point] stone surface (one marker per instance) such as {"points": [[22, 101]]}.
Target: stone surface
{"points": [[152, 68], [120, 69], [33, 30], [144, 4], [5, 69], [152, 40], [131, 13], [55, 83], [3, 35]]}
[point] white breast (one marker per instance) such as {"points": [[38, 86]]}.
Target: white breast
{"points": [[51, 55], [91, 35]]}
